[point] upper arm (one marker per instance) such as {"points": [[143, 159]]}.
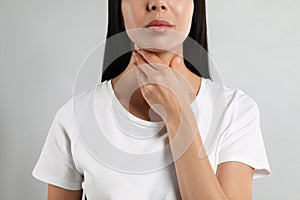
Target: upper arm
{"points": [[56, 164], [236, 180], [55, 193]]}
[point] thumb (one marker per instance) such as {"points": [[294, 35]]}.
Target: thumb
{"points": [[176, 63]]}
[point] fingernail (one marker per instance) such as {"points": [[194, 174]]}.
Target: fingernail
{"points": [[133, 53], [178, 60]]}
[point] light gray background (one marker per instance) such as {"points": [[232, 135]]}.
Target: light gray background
{"points": [[255, 45]]}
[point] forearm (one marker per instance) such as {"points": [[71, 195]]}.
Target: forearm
{"points": [[195, 175]]}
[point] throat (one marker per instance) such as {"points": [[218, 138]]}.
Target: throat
{"points": [[139, 107]]}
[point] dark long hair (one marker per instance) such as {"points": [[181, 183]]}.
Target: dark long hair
{"points": [[198, 33]]}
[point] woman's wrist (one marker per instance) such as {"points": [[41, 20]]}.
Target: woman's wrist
{"points": [[180, 118]]}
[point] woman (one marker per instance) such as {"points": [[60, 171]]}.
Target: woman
{"points": [[169, 90]]}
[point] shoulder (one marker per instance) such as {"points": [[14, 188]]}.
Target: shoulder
{"points": [[238, 107], [236, 98], [82, 101], [65, 115]]}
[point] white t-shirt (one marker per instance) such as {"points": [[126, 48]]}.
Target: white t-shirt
{"points": [[74, 159]]}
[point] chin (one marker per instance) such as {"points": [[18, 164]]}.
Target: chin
{"points": [[156, 42], [156, 50]]}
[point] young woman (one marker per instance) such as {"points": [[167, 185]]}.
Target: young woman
{"points": [[171, 90]]}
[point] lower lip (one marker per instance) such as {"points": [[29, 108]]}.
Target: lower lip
{"points": [[159, 29]]}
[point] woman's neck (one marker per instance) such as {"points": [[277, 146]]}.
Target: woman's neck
{"points": [[137, 104]]}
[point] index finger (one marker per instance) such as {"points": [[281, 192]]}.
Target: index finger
{"points": [[152, 59]]}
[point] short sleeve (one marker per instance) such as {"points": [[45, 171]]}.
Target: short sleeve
{"points": [[243, 141], [55, 165]]}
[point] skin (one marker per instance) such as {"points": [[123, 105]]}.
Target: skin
{"points": [[57, 193], [196, 179], [136, 15]]}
